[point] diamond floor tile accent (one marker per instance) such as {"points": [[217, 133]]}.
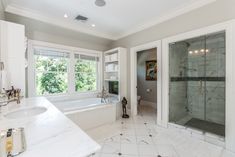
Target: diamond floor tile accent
{"points": [[139, 136]]}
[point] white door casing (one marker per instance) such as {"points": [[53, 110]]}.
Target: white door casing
{"points": [[133, 77]]}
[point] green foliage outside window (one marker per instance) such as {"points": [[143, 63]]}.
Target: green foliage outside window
{"points": [[51, 75], [85, 75]]}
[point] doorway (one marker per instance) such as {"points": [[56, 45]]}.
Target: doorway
{"points": [[156, 47], [147, 83]]}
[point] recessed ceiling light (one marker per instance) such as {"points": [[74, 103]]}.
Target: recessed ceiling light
{"points": [[93, 25], [65, 16]]}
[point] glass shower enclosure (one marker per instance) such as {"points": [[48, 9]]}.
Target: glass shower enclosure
{"points": [[197, 83]]}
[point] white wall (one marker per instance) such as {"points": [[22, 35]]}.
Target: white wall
{"points": [[41, 31], [219, 11]]}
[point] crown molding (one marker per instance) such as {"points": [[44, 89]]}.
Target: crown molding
{"points": [[14, 9], [171, 15], [65, 24]]}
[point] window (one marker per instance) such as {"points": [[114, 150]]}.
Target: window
{"points": [[86, 73], [62, 70], [51, 71]]}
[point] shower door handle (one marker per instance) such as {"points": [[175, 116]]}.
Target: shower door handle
{"points": [[200, 88]]}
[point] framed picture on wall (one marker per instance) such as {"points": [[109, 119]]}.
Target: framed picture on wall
{"points": [[151, 70]]}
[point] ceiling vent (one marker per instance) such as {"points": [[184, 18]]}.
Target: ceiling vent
{"points": [[81, 18]]}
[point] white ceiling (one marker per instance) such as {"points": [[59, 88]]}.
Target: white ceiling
{"points": [[117, 19]]}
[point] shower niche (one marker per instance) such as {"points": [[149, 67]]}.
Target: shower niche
{"points": [[197, 83]]}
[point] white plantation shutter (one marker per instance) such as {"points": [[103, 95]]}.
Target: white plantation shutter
{"points": [[50, 53], [87, 57]]}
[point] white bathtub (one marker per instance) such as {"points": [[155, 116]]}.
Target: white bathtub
{"points": [[88, 113]]}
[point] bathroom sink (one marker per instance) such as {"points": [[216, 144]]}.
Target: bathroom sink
{"points": [[26, 112]]}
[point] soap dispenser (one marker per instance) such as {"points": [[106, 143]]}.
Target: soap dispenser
{"points": [[12, 142]]}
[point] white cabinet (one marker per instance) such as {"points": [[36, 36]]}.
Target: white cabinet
{"points": [[115, 65], [12, 55], [115, 74]]}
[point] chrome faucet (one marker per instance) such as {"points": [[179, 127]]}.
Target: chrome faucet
{"points": [[103, 95], [10, 96]]}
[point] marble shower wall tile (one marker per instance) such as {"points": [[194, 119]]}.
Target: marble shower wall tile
{"points": [[178, 93], [178, 100], [207, 96]]}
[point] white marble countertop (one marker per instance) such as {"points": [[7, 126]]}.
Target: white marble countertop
{"points": [[50, 134]]}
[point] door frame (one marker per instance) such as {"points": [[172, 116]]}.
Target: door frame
{"points": [[133, 76], [229, 28]]}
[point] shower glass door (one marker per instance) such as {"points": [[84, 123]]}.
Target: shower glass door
{"points": [[197, 83], [196, 78], [215, 83]]}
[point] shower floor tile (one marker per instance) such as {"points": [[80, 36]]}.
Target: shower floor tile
{"points": [[206, 126]]}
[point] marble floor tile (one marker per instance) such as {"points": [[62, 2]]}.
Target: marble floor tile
{"points": [[139, 136], [111, 148], [144, 140], [129, 149], [128, 139], [147, 150]]}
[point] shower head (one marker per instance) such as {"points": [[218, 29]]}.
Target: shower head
{"points": [[187, 43]]}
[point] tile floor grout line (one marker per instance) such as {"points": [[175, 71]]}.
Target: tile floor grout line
{"points": [[165, 141]]}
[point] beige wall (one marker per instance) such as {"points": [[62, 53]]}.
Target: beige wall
{"points": [[219, 11], [216, 12], [2, 15], [37, 30]]}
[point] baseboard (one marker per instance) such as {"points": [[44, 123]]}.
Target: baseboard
{"points": [[148, 103]]}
